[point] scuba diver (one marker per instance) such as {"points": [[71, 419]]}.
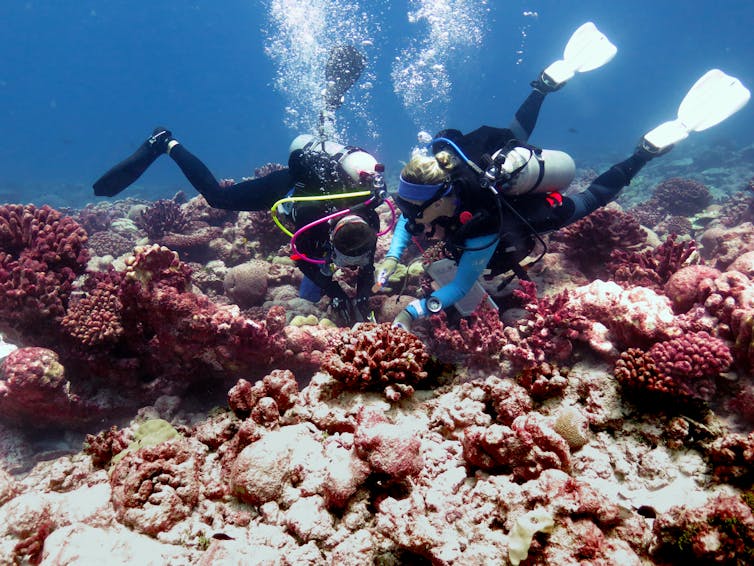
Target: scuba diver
{"points": [[328, 192], [490, 195]]}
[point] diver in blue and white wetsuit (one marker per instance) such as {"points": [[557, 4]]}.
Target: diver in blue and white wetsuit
{"points": [[489, 195]]}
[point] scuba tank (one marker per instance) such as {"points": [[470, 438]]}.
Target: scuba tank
{"points": [[335, 158], [527, 169]]}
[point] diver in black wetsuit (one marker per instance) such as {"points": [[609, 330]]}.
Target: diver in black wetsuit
{"points": [[317, 169]]}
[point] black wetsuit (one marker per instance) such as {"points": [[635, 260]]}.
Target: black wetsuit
{"points": [[257, 195], [542, 214]]}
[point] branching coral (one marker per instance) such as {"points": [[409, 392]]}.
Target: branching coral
{"points": [[265, 400], [477, 342], [376, 356], [651, 268], [162, 217], [106, 444], [547, 332]]}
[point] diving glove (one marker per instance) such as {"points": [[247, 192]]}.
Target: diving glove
{"points": [[403, 320], [387, 268]]}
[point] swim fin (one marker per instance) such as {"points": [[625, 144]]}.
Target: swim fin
{"points": [[586, 50], [712, 99], [344, 66]]}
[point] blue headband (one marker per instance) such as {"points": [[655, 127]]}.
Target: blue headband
{"points": [[416, 191]]}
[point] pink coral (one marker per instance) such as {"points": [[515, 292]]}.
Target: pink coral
{"points": [[388, 448], [35, 391], [524, 449], [265, 400], [507, 399], [41, 253], [376, 356], [682, 287], [620, 318], [683, 368], [154, 488]]}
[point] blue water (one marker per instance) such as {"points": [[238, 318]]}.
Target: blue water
{"points": [[83, 83]]}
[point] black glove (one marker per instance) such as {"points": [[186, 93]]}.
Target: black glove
{"points": [[360, 308], [344, 308]]}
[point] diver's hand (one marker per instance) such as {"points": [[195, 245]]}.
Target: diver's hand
{"points": [[360, 309], [403, 320], [342, 305], [386, 269]]}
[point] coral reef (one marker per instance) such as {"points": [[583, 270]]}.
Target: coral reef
{"points": [[586, 425]]}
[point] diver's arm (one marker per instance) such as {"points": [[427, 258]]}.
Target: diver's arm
{"points": [[365, 279], [470, 267], [253, 194], [401, 239], [329, 287]]}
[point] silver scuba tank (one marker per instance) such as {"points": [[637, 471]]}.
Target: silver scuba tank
{"points": [[551, 170], [353, 161]]}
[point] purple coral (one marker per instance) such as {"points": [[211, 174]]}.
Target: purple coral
{"points": [[524, 449]]}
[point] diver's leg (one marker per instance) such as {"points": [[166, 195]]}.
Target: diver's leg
{"points": [[127, 171]]}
